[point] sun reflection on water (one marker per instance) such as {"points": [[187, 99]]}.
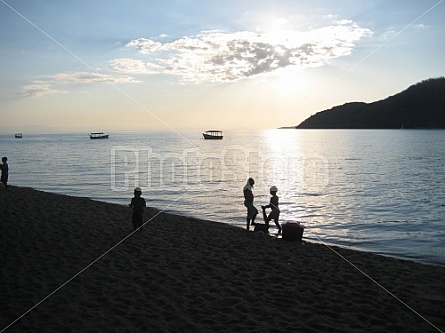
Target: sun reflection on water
{"points": [[300, 172]]}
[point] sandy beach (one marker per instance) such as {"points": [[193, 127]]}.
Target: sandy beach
{"points": [[71, 264]]}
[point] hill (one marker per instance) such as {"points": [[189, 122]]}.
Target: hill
{"points": [[420, 106]]}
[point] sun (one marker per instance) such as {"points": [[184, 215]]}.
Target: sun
{"points": [[288, 81], [277, 24]]}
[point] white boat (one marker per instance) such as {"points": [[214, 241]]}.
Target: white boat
{"points": [[98, 135], [18, 135], [213, 135]]}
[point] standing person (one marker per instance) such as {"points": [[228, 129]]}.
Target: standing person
{"points": [[5, 172], [273, 205], [138, 203], [252, 212]]}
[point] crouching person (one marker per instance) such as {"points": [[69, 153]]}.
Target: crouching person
{"points": [[275, 211]]}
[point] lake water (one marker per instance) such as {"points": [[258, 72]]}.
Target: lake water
{"points": [[374, 190]]}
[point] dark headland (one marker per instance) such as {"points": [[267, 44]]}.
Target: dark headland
{"points": [[420, 106]]}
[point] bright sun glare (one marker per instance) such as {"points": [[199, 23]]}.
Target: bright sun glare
{"points": [[288, 81]]}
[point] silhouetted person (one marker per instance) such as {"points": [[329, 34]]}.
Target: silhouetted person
{"points": [[273, 205], [5, 172], [138, 204], [252, 212]]}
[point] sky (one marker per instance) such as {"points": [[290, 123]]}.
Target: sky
{"points": [[142, 65]]}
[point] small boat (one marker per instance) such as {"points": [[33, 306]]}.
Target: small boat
{"points": [[98, 135], [212, 135], [18, 135]]}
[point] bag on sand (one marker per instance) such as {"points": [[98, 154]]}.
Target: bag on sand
{"points": [[292, 231], [261, 228]]}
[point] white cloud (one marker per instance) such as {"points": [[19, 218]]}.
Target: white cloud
{"points": [[90, 77], [134, 66], [53, 84], [344, 22], [39, 88], [221, 57], [330, 16], [145, 45]]}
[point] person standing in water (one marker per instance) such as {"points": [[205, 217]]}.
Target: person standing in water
{"points": [[5, 172], [138, 204], [252, 212], [273, 205]]}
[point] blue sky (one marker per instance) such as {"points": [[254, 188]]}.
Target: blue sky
{"points": [[74, 66]]}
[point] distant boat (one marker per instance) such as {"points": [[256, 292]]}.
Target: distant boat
{"points": [[212, 135], [98, 135], [18, 135]]}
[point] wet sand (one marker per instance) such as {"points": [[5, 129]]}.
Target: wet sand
{"points": [[77, 266]]}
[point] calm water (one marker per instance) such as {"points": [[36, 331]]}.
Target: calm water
{"points": [[381, 191]]}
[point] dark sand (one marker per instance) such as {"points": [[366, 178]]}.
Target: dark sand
{"points": [[186, 275]]}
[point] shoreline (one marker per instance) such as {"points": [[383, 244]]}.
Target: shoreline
{"points": [[305, 238], [191, 275]]}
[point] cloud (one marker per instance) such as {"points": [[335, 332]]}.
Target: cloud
{"points": [[54, 84], [39, 88], [89, 78], [421, 26], [223, 57], [134, 66]]}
